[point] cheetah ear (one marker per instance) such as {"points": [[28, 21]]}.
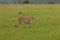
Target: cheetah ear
{"points": [[33, 17]]}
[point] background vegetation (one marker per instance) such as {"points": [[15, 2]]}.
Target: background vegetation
{"points": [[46, 26]]}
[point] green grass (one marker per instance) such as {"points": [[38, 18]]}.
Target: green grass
{"points": [[46, 26]]}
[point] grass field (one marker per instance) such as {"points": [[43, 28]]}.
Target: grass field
{"points": [[46, 26]]}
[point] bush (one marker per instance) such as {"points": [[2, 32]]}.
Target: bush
{"points": [[51, 2], [25, 2]]}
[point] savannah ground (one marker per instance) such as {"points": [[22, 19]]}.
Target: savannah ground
{"points": [[46, 26]]}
